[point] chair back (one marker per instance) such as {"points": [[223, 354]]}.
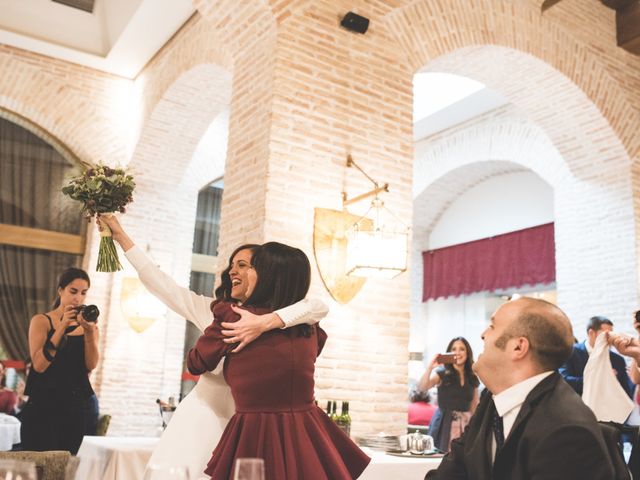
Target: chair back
{"points": [[50, 465], [612, 433], [103, 425]]}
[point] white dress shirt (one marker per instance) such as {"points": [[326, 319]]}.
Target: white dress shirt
{"points": [[509, 402]]}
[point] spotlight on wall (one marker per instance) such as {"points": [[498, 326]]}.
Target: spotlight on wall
{"points": [[355, 23]]}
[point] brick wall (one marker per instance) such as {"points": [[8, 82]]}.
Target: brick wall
{"points": [[323, 110]]}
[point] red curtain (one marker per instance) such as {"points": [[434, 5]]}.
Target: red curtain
{"points": [[523, 257]]}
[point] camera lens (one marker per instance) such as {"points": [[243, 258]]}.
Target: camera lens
{"points": [[90, 313]]}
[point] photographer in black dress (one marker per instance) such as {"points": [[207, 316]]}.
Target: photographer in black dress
{"points": [[64, 349]]}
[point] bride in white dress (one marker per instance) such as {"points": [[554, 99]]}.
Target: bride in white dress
{"points": [[200, 419]]}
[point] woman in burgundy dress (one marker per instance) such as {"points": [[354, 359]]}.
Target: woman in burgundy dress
{"points": [[271, 380]]}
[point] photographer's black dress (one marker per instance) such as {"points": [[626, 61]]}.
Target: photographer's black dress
{"points": [[54, 417]]}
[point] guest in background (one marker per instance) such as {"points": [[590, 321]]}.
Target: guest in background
{"points": [[8, 398], [573, 370], [634, 369], [64, 348], [457, 393], [20, 387], [22, 398], [421, 409], [531, 425]]}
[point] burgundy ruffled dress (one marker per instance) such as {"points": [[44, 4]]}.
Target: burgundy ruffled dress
{"points": [[276, 419]]}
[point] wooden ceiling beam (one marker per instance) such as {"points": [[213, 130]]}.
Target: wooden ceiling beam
{"points": [[617, 4], [628, 27]]}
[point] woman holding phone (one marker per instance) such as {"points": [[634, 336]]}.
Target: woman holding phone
{"points": [[457, 391]]}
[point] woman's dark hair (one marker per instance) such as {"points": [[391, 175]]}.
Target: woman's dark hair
{"points": [[223, 292], [68, 276], [284, 276], [468, 372]]}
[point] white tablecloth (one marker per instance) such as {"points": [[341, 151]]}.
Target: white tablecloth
{"points": [[124, 458], [9, 431], [389, 467], [114, 458]]}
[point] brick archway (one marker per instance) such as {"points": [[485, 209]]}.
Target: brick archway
{"points": [[589, 278], [428, 31], [163, 216], [66, 112]]}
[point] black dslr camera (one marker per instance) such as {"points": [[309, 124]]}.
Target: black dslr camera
{"points": [[89, 312]]}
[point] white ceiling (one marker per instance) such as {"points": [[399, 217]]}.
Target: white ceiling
{"points": [[442, 100], [119, 37]]}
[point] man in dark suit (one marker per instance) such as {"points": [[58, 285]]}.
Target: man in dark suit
{"points": [[532, 426], [573, 370]]}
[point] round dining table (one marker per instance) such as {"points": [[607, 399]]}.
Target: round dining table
{"points": [[9, 431]]}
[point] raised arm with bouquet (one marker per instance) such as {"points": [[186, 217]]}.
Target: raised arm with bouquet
{"points": [[104, 190]]}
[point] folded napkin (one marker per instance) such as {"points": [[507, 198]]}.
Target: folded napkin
{"points": [[601, 390]]}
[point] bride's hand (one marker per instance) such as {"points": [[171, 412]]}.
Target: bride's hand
{"points": [[249, 327], [110, 221], [117, 232]]}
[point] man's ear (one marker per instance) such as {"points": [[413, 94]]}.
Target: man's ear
{"points": [[519, 347]]}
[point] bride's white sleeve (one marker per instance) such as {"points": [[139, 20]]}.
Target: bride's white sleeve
{"points": [[309, 310], [195, 308]]}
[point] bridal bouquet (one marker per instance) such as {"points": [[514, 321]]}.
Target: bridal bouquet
{"points": [[104, 190]]}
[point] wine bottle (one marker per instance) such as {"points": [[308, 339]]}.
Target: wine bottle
{"points": [[344, 419], [334, 410]]}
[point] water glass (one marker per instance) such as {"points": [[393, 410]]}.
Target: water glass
{"points": [[17, 470], [165, 472], [249, 469]]}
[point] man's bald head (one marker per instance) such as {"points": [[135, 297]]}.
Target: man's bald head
{"points": [[545, 326]]}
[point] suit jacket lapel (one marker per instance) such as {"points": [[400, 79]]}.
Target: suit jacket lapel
{"points": [[479, 453]]}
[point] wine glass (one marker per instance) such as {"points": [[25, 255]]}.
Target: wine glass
{"points": [[249, 469], [17, 470], [166, 472]]}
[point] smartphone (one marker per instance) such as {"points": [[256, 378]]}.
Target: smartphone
{"points": [[446, 358]]}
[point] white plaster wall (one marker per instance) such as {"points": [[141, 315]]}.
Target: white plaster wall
{"points": [[501, 204]]}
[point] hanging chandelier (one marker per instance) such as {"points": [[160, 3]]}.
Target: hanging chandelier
{"points": [[377, 247]]}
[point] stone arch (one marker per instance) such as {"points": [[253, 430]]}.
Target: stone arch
{"points": [[568, 117], [449, 26], [163, 218], [83, 125], [503, 141], [580, 97], [196, 43]]}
